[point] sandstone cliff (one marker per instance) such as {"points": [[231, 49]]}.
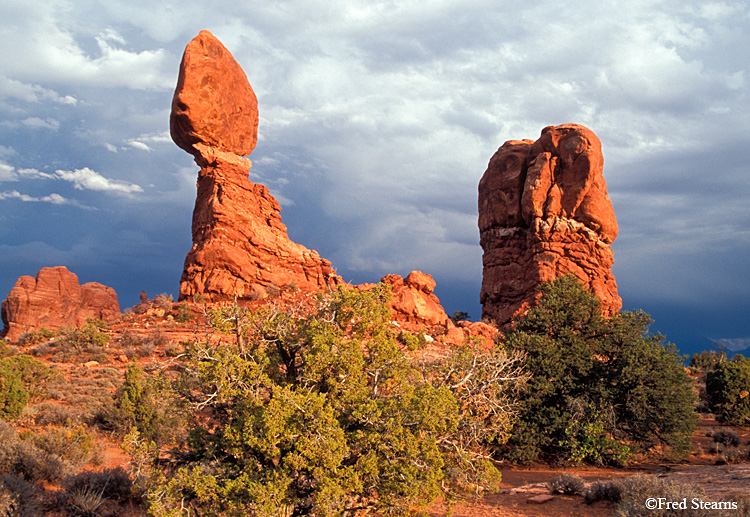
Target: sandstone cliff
{"points": [[54, 300], [544, 212], [240, 247]]}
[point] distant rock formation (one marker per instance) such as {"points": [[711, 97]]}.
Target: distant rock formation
{"points": [[544, 212], [240, 247], [54, 300], [413, 300], [414, 307]]}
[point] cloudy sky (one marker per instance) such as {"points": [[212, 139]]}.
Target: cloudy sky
{"points": [[377, 120]]}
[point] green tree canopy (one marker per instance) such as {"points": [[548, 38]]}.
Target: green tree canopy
{"points": [[315, 408], [600, 386], [728, 390]]}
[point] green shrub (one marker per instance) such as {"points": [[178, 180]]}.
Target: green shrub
{"points": [[728, 390], [22, 378], [707, 360], [412, 341], [36, 336], [136, 401], [141, 405], [315, 409], [33, 373], [588, 436], [600, 386], [568, 484], [13, 394], [184, 314], [89, 335]]}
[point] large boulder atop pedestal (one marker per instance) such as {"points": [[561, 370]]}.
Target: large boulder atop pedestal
{"points": [[240, 246], [213, 103]]}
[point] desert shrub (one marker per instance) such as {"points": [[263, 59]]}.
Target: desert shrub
{"points": [[35, 464], [707, 360], [13, 395], [89, 335], [49, 456], [20, 498], [732, 454], [34, 337], [315, 409], [139, 404], [72, 443], [128, 340], [23, 458], [604, 491], [50, 413], [22, 378], [87, 491], [147, 349], [84, 501], [158, 339], [639, 488], [113, 483], [163, 301], [728, 390], [5, 350], [42, 349], [173, 350], [568, 484], [184, 314], [8, 438], [412, 341], [599, 385], [727, 437], [80, 344]]}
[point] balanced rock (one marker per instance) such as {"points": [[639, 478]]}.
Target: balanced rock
{"points": [[213, 104], [240, 247], [54, 300], [544, 212]]}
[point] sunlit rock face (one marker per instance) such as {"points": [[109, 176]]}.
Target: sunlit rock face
{"points": [[54, 300], [544, 212], [240, 247]]}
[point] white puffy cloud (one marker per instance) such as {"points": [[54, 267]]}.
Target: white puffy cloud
{"points": [[43, 41], [87, 179], [7, 172], [82, 179], [54, 198], [17, 90]]}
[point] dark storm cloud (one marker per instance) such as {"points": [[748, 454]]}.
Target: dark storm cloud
{"points": [[377, 121]]}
